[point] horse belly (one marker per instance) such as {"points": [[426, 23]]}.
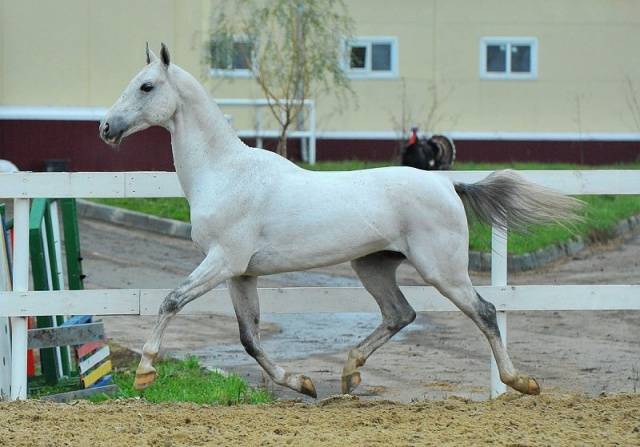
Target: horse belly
{"points": [[306, 251]]}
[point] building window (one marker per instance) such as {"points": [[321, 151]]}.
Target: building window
{"points": [[231, 57], [372, 57], [509, 58]]}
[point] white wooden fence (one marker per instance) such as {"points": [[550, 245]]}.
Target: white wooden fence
{"points": [[21, 302]]}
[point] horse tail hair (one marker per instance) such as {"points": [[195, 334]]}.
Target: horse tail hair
{"points": [[505, 198]]}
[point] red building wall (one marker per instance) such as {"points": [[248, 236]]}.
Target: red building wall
{"points": [[28, 143]]}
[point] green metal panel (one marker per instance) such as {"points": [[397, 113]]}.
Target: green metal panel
{"points": [[72, 244], [41, 282]]}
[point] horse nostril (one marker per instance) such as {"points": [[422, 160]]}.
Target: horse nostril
{"points": [[105, 129]]}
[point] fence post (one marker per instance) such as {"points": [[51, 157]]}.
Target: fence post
{"points": [[498, 278], [5, 336], [20, 284]]}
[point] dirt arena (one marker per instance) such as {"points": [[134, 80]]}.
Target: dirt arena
{"points": [[511, 420]]}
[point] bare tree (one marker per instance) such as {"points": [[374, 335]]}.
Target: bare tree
{"points": [[295, 50], [633, 101]]}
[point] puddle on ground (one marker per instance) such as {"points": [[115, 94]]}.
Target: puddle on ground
{"points": [[302, 335]]}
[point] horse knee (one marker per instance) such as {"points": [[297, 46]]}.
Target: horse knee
{"points": [[486, 312], [400, 321], [171, 304]]}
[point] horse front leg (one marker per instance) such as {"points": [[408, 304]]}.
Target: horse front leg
{"points": [[211, 272], [244, 294]]}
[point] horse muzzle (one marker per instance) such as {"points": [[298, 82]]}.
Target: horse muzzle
{"points": [[112, 130]]}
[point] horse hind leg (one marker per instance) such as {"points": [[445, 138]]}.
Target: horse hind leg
{"points": [[378, 275], [448, 273], [244, 295]]}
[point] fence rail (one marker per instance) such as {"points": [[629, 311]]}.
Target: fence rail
{"points": [[165, 184], [292, 300], [21, 302]]}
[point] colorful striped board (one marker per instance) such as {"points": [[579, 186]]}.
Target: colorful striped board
{"points": [[94, 364]]}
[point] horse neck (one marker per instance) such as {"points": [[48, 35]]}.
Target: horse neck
{"points": [[201, 138]]}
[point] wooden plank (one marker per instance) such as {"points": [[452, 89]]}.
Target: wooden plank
{"points": [[152, 184], [316, 299], [73, 302], [165, 184], [62, 184], [104, 380], [96, 374], [84, 350], [80, 394], [65, 335], [100, 355]]}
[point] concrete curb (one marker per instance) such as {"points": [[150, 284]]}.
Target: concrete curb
{"points": [[134, 219], [478, 261]]}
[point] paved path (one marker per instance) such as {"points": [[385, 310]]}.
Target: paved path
{"points": [[439, 355]]}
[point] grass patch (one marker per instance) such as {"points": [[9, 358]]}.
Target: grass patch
{"points": [[601, 212], [170, 208], [186, 381]]}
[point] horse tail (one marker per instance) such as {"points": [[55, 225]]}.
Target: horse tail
{"points": [[506, 198]]}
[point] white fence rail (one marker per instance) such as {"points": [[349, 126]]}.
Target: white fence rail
{"points": [[21, 303]]}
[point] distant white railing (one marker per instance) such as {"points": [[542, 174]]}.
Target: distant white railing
{"points": [[309, 135], [19, 303]]}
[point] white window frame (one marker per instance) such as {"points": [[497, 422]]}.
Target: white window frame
{"points": [[508, 41], [235, 72], [366, 72]]}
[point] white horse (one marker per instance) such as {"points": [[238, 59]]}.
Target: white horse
{"points": [[255, 213]]}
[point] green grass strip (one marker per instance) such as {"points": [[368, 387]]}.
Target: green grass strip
{"points": [[186, 381]]}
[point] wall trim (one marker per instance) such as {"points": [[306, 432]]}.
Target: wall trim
{"points": [[45, 113]]}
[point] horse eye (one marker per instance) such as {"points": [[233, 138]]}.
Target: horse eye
{"points": [[146, 87]]}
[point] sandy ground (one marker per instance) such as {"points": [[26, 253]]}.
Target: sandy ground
{"points": [[526, 421], [439, 356]]}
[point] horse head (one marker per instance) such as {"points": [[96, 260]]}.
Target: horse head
{"points": [[150, 99]]}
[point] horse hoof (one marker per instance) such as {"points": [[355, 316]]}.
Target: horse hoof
{"points": [[143, 380], [533, 387], [527, 385], [307, 387], [351, 382]]}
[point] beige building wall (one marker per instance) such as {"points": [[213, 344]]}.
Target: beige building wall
{"points": [[83, 53]]}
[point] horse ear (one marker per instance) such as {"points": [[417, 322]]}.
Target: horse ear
{"points": [[164, 55], [151, 57]]}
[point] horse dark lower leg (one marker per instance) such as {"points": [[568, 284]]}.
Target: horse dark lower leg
{"points": [[205, 277], [244, 294], [377, 273]]}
